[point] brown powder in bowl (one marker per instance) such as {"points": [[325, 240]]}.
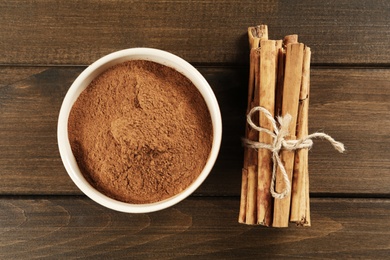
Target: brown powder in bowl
{"points": [[140, 132]]}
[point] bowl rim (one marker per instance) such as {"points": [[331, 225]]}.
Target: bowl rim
{"points": [[95, 69]]}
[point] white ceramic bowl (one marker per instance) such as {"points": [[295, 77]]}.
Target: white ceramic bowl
{"points": [[96, 69]]}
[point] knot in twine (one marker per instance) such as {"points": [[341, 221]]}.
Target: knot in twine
{"points": [[279, 143]]}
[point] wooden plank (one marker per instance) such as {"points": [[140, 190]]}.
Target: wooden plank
{"points": [[196, 228], [10, 75], [29, 111], [79, 32], [352, 105]]}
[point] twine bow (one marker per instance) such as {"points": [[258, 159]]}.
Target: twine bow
{"points": [[279, 143]]}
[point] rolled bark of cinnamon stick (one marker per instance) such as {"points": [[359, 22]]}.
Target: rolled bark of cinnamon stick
{"points": [[293, 38], [251, 196], [256, 33], [248, 204], [268, 54], [290, 101], [300, 189], [247, 213], [280, 71], [243, 197]]}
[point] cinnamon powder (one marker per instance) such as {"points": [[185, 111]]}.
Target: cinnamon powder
{"points": [[140, 132]]}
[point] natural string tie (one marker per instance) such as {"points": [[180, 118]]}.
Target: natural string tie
{"points": [[279, 143]]}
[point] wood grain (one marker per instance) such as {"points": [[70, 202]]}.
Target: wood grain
{"points": [[44, 42], [352, 105], [79, 32], [11, 75], [70, 227]]}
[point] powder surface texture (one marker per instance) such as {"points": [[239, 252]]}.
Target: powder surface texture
{"points": [[140, 132]]}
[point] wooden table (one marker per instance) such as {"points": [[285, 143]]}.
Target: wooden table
{"points": [[44, 45]]}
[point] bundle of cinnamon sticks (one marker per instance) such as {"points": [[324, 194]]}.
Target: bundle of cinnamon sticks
{"points": [[279, 81]]}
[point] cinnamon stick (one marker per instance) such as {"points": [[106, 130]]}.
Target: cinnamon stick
{"points": [[268, 54], [250, 155], [251, 196], [243, 198], [280, 71], [293, 38], [249, 172], [291, 91], [307, 220], [300, 190], [255, 33], [307, 202]]}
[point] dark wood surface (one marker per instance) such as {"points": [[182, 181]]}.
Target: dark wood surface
{"points": [[79, 32], [44, 45], [198, 228]]}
